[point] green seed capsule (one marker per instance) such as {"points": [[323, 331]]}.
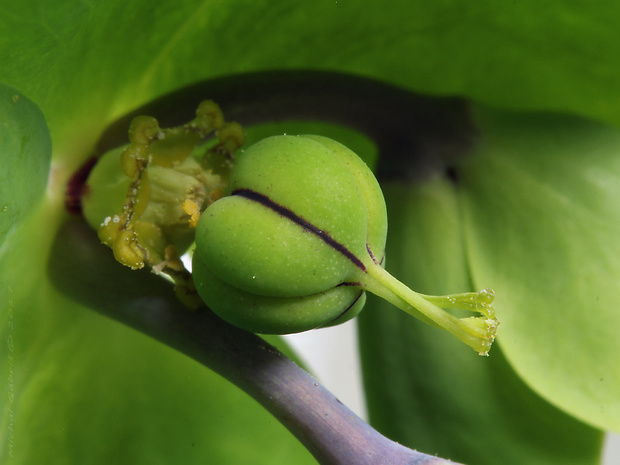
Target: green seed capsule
{"points": [[301, 238], [277, 315], [295, 245], [283, 252]]}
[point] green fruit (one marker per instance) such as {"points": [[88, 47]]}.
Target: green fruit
{"points": [[277, 315], [300, 239], [293, 234]]}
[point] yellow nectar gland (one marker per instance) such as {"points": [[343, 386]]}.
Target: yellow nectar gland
{"points": [[191, 208]]}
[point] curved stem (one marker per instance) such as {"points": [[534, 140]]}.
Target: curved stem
{"points": [[330, 431], [428, 132], [415, 135]]}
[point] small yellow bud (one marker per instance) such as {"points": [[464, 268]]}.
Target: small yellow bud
{"points": [[143, 130], [191, 209], [173, 261], [127, 250], [209, 116], [231, 136], [109, 230]]}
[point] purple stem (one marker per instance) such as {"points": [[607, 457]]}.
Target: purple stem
{"points": [[330, 430], [415, 135]]}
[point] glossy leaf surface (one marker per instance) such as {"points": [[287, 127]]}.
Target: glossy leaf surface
{"points": [[424, 387], [26, 148], [542, 226]]}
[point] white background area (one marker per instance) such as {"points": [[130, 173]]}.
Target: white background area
{"points": [[341, 374]]}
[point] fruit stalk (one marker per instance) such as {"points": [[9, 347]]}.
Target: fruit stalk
{"points": [[476, 332]]}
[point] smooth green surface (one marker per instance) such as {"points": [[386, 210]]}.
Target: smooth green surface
{"points": [[106, 189], [83, 389], [257, 249], [25, 151], [429, 391], [275, 315], [265, 263], [542, 226], [103, 394], [371, 191], [559, 54]]}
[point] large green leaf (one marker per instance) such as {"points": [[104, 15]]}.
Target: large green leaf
{"points": [[543, 229], [427, 390], [84, 389], [105, 394], [118, 54]]}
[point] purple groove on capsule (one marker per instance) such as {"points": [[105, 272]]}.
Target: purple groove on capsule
{"points": [[289, 214]]}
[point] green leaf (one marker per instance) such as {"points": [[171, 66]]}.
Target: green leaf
{"points": [[542, 224], [107, 394], [26, 150], [558, 55], [427, 390], [84, 389]]}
